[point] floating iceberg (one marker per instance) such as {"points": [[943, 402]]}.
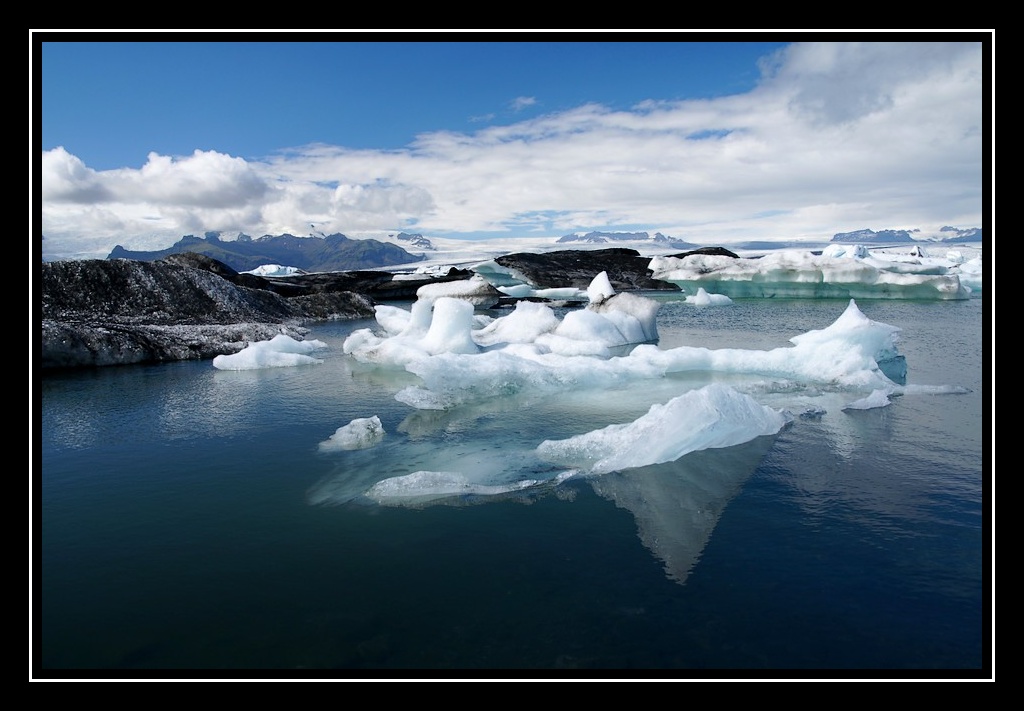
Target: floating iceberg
{"points": [[531, 350], [839, 272], [703, 298], [714, 416], [445, 324], [280, 351], [360, 433]]}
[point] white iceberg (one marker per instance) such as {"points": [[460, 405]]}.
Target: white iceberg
{"points": [[360, 433], [279, 352], [839, 272], [714, 416]]}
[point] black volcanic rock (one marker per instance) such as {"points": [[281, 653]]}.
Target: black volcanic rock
{"points": [[106, 312], [80, 345], [151, 292], [334, 252], [712, 251], [378, 285], [627, 270]]}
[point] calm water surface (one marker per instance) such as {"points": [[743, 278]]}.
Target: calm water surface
{"points": [[188, 521]]}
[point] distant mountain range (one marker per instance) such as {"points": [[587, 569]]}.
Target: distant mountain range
{"points": [[606, 237], [951, 235], [330, 253], [336, 252]]}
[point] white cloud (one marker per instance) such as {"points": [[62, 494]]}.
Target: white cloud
{"points": [[66, 179], [206, 179], [522, 102], [836, 137]]}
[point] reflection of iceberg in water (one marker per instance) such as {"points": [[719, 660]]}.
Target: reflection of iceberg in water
{"points": [[677, 504]]}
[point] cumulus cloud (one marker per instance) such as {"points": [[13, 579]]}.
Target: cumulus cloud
{"points": [[206, 179], [66, 179], [835, 137]]}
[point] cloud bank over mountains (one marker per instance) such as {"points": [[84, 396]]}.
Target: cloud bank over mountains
{"points": [[835, 137]]}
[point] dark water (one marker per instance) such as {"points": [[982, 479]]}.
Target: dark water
{"points": [[186, 522]]}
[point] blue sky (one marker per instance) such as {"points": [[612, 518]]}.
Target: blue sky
{"points": [[712, 142]]}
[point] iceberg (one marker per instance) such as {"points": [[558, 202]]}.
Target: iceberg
{"points": [[838, 272], [459, 362], [278, 352], [360, 433], [703, 298], [714, 416], [445, 324]]}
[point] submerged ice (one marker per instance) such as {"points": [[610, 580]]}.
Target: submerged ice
{"points": [[425, 486]]}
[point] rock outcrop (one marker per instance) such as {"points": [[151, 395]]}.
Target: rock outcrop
{"points": [[713, 251], [378, 285], [109, 312]]}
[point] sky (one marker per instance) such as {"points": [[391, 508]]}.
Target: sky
{"points": [[142, 141]]}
